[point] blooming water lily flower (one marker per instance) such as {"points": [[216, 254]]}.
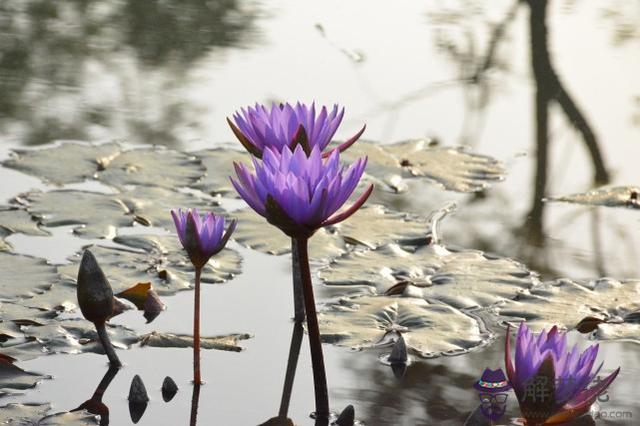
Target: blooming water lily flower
{"points": [[286, 125], [202, 237], [550, 380], [299, 191]]}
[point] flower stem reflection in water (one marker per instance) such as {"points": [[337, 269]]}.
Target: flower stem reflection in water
{"points": [[94, 405]]}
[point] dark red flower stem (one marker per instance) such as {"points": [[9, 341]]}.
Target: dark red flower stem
{"points": [[317, 359], [195, 399], [298, 297], [196, 330], [101, 328]]}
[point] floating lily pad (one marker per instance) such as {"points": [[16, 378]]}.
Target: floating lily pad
{"points": [[76, 418], [219, 166], [255, 232], [36, 414], [375, 225], [152, 166], [383, 169], [619, 196], [23, 414], [565, 303], [169, 340], [462, 279], [81, 161], [77, 336], [452, 168], [18, 221], [430, 329], [14, 377], [159, 260], [98, 215], [152, 206], [24, 276]]}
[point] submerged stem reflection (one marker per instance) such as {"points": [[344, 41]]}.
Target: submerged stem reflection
{"points": [[94, 405]]}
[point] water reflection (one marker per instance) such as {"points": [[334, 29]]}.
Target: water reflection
{"points": [[94, 405], [85, 69], [292, 364], [549, 89]]}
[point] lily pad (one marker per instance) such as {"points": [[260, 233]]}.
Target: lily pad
{"points": [[219, 166], [18, 221], [24, 276], [151, 206], [159, 260], [374, 225], [462, 279], [566, 302], [169, 340], [76, 418], [429, 329], [23, 414], [81, 161], [97, 215], [151, 166], [618, 196], [14, 377], [100, 215], [255, 232], [77, 336], [36, 414], [452, 168]]}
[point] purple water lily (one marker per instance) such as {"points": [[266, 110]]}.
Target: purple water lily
{"points": [[300, 194], [550, 381], [202, 237], [288, 125]]}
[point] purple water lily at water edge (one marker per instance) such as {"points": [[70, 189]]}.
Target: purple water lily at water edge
{"points": [[201, 236], [286, 125], [298, 193], [550, 380]]}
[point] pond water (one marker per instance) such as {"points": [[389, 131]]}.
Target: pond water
{"points": [[458, 72]]}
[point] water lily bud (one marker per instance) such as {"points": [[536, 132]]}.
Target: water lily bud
{"points": [[95, 296]]}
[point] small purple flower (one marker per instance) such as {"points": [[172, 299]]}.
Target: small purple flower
{"points": [[550, 381], [201, 236], [258, 128], [298, 193]]}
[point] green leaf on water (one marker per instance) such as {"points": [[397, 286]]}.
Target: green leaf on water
{"points": [[566, 303], [24, 276], [169, 340], [429, 329], [151, 166], [159, 260], [618, 196], [218, 163], [14, 377], [81, 161]]}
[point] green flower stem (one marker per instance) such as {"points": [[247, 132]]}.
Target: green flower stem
{"points": [[317, 359]]}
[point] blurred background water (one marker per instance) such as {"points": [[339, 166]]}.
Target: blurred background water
{"points": [[552, 91]]}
